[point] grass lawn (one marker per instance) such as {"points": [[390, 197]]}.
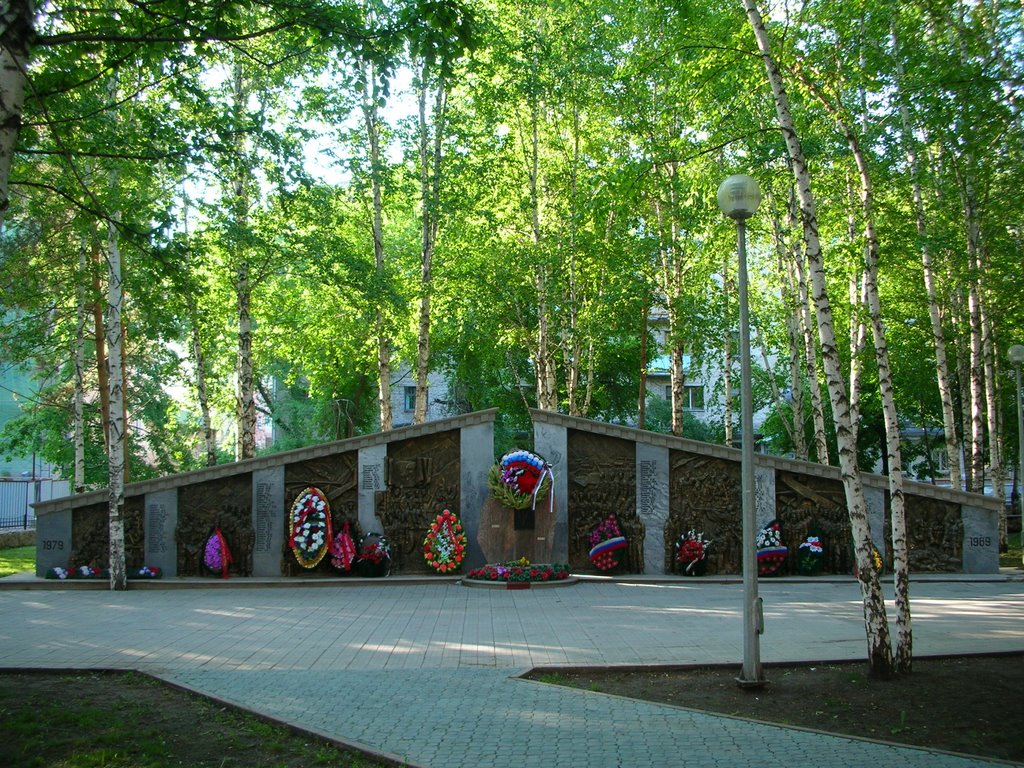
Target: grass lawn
{"points": [[16, 560]]}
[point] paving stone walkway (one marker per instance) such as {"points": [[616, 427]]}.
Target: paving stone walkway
{"points": [[427, 673]]}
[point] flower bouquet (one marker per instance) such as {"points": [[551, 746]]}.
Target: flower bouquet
{"points": [[343, 550], [692, 552], [520, 479], [374, 558], [445, 545], [216, 555], [771, 552], [311, 527], [606, 544], [810, 555], [81, 572], [146, 572]]}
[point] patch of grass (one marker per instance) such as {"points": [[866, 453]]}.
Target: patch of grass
{"points": [[117, 720], [552, 678], [1011, 558], [16, 560]]}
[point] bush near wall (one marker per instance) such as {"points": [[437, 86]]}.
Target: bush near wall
{"points": [[17, 539]]}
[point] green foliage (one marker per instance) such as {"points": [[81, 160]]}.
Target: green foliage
{"points": [[579, 150]]}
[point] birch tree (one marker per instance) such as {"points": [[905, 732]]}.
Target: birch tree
{"points": [[876, 623]]}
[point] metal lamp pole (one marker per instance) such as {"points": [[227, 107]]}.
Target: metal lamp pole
{"points": [[738, 198], [1016, 355]]}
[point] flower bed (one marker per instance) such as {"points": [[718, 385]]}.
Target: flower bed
{"points": [[520, 571]]}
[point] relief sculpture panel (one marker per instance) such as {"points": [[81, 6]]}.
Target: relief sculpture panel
{"points": [[337, 476], [935, 533], [90, 535], [704, 495], [602, 481], [423, 479], [804, 503], [226, 504]]}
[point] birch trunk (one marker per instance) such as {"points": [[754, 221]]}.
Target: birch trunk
{"points": [[641, 410], [811, 361], [100, 334], [79, 405], [116, 456], [897, 506], [977, 381], [547, 387], [894, 457], [430, 183], [876, 622], [245, 397], [793, 335], [727, 354], [199, 361], [371, 121], [671, 287], [18, 17], [942, 373]]}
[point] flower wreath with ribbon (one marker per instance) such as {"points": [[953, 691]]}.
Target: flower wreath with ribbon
{"points": [[374, 548], [217, 555], [520, 479], [606, 544], [810, 555], [691, 551], [343, 549], [771, 552], [444, 548], [311, 533]]}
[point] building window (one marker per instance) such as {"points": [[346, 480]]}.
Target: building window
{"points": [[410, 398], [693, 398]]}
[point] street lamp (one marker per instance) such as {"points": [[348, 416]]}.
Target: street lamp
{"points": [[1016, 355], [738, 198]]}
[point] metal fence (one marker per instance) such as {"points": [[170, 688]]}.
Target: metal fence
{"points": [[18, 494]]}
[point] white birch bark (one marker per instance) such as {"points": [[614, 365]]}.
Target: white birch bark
{"points": [[430, 187], [794, 338], [245, 396], [544, 363], [16, 24], [806, 322], [727, 354], [875, 620], [82, 310], [671, 286], [116, 456], [942, 373], [199, 361], [371, 122], [977, 364]]}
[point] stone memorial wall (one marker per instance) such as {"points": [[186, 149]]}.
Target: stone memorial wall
{"points": [[657, 487]]}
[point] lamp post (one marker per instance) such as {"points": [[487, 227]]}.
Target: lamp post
{"points": [[738, 198], [1016, 355]]}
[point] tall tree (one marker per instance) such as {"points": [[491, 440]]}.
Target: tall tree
{"points": [[876, 623]]}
